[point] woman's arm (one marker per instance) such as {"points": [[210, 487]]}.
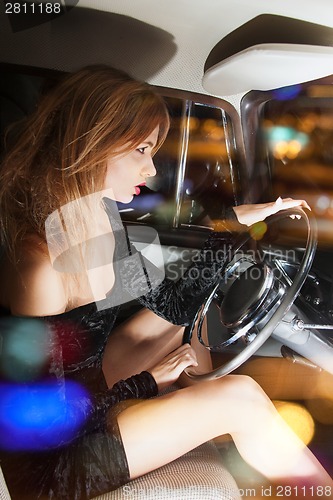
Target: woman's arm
{"points": [[32, 286], [93, 410], [250, 214], [178, 301]]}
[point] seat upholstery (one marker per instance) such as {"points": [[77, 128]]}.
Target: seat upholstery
{"points": [[197, 475], [4, 494]]}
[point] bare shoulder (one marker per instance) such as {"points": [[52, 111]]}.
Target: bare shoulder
{"points": [[34, 287]]}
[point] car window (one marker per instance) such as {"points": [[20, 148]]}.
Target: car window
{"points": [[294, 150], [197, 169], [209, 172]]}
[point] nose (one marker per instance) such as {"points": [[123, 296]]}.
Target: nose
{"points": [[149, 169]]}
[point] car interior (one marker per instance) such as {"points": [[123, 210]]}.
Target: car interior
{"points": [[248, 86]]}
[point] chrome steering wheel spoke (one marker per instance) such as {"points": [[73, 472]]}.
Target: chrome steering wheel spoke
{"points": [[260, 305]]}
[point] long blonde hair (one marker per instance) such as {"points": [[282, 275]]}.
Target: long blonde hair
{"points": [[61, 155]]}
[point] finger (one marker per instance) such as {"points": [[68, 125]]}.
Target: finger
{"points": [[188, 354], [187, 361], [301, 203], [186, 348], [306, 205], [182, 348], [178, 355], [188, 358], [291, 203]]}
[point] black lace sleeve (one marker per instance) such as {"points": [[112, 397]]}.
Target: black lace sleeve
{"points": [[178, 301], [93, 410], [175, 301]]}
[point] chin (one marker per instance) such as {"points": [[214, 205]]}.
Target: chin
{"points": [[125, 199], [120, 197]]}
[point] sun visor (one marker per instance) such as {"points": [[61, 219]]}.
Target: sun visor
{"points": [[268, 66], [269, 52]]}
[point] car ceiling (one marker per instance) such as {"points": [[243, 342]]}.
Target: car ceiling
{"points": [[163, 42]]}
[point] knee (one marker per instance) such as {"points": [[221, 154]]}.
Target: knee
{"points": [[242, 386], [247, 384], [245, 400]]}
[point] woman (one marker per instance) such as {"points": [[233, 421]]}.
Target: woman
{"points": [[68, 262]]}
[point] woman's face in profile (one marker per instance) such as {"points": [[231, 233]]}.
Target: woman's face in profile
{"points": [[126, 173]]}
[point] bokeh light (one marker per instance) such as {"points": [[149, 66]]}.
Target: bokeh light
{"points": [[25, 348], [294, 148], [285, 141], [322, 204], [258, 230], [287, 93], [194, 123], [321, 409], [40, 416], [298, 418]]}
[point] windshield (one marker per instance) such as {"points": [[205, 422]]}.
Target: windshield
{"points": [[294, 150]]}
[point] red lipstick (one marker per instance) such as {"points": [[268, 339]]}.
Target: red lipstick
{"points": [[137, 189]]}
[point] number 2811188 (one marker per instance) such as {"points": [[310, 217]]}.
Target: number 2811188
{"points": [[33, 8]]}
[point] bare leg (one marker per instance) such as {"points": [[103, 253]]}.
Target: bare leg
{"points": [[169, 426], [141, 342]]}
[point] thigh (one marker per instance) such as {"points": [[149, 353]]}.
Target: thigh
{"points": [[157, 431]]}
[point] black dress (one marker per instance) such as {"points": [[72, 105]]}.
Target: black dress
{"points": [[91, 460]]}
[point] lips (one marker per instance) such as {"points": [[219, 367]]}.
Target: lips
{"points": [[137, 188]]}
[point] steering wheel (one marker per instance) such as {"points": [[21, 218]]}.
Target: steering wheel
{"points": [[260, 314]]}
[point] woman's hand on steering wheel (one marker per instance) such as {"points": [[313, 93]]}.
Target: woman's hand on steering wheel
{"points": [[250, 214], [167, 371]]}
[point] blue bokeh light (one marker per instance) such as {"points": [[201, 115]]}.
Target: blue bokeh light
{"points": [[40, 416], [287, 93], [143, 202]]}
